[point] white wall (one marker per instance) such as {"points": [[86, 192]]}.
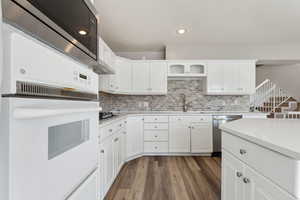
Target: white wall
{"points": [[147, 55], [278, 52], [287, 77]]}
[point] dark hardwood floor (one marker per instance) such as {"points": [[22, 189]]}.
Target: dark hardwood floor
{"points": [[168, 178]]}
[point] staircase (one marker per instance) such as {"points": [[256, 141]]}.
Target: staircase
{"points": [[269, 98]]}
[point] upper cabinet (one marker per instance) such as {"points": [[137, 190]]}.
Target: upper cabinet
{"points": [[136, 78], [231, 77], [105, 55], [187, 68], [149, 77]]}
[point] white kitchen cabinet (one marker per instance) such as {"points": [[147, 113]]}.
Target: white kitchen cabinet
{"points": [[230, 77], [124, 145], [117, 152], [106, 165], [123, 76], [88, 189], [201, 138], [158, 77], [179, 136], [134, 136], [241, 182], [232, 178], [258, 187], [136, 78], [190, 134], [140, 77], [186, 68]]}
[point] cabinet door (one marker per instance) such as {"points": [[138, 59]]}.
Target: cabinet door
{"points": [[124, 145], [102, 175], [179, 137], [201, 138], [257, 187], [232, 178], [231, 78], [247, 77], [123, 75], [106, 150], [158, 77], [140, 77], [134, 136], [116, 153], [215, 77]]}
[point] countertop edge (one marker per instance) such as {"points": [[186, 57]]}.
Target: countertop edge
{"points": [[278, 149]]}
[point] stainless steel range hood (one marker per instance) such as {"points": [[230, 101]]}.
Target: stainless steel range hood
{"points": [[24, 16]]}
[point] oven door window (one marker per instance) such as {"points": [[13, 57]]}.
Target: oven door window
{"points": [[62, 138]]}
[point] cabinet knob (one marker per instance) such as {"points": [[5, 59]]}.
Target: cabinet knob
{"points": [[110, 130], [116, 140], [155, 147], [243, 151], [155, 127], [239, 174], [246, 180], [155, 136], [102, 151], [124, 132]]}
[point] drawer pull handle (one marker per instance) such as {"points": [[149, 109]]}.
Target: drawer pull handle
{"points": [[239, 174], [155, 136], [246, 180], [102, 151], [155, 147], [116, 140], [243, 151], [155, 118], [155, 126]]}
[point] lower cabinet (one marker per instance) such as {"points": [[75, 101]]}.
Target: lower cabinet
{"points": [[190, 134], [105, 166], [179, 136], [241, 182], [135, 128], [201, 137]]}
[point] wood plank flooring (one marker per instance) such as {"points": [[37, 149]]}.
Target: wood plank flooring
{"points": [[168, 178]]}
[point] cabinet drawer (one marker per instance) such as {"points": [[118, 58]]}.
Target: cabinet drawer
{"points": [[158, 135], [107, 131], [153, 119], [156, 126], [280, 169], [191, 119], [155, 147]]}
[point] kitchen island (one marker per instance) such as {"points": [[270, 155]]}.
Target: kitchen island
{"points": [[261, 159]]}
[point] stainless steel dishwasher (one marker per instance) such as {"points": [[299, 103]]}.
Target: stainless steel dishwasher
{"points": [[217, 137]]}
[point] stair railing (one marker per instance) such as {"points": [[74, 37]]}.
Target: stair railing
{"points": [[268, 97]]}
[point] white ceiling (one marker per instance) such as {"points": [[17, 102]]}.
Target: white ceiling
{"points": [[150, 25]]}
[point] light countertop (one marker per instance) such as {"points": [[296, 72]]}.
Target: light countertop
{"points": [[123, 115], [280, 135]]}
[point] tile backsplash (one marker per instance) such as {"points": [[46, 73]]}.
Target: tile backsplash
{"points": [[173, 101]]}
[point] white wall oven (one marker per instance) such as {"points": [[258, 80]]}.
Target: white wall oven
{"points": [[49, 123]]}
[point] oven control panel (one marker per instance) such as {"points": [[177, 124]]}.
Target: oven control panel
{"points": [[81, 78], [44, 65]]}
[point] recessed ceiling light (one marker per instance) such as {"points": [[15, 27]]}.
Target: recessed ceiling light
{"points": [[181, 31], [82, 32]]}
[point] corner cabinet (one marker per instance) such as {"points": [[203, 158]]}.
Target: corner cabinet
{"points": [[236, 77]]}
